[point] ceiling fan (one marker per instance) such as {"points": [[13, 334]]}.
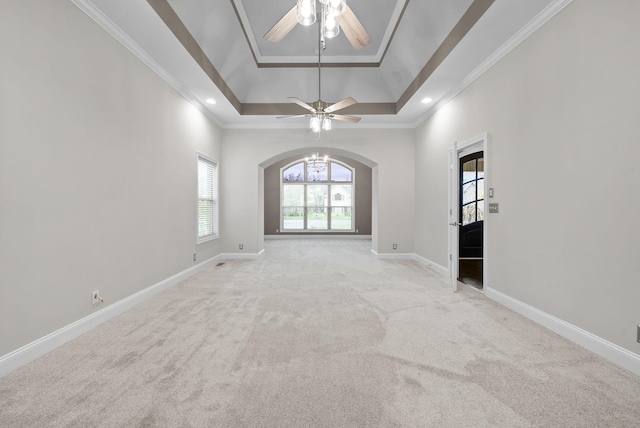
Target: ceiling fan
{"points": [[321, 113], [335, 14]]}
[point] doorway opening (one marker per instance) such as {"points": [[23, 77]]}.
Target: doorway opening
{"points": [[467, 215], [471, 219]]}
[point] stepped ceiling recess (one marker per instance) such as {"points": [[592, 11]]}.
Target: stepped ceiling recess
{"points": [[215, 49]]}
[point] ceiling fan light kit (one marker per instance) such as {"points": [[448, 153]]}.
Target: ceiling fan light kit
{"points": [[326, 123], [331, 9], [336, 7], [320, 122], [335, 15], [314, 123], [320, 112], [306, 12], [330, 25]]}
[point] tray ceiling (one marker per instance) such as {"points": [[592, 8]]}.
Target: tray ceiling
{"points": [[216, 50]]}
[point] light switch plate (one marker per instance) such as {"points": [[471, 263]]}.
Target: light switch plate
{"points": [[494, 208], [491, 192]]}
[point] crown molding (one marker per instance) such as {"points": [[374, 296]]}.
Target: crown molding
{"points": [[110, 27], [375, 60], [542, 18], [534, 25]]}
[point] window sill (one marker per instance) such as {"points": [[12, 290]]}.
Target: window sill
{"points": [[207, 238], [284, 232]]}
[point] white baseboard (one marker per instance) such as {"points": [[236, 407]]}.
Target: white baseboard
{"points": [[42, 346], [48, 343], [241, 256], [439, 269], [296, 236], [395, 256], [612, 352]]}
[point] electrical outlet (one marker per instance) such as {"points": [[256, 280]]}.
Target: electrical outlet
{"points": [[95, 297], [395, 246], [241, 246], [194, 257]]}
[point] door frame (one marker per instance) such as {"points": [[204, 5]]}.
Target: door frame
{"points": [[476, 144]]}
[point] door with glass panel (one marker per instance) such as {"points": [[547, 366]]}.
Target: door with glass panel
{"points": [[470, 249], [471, 205]]}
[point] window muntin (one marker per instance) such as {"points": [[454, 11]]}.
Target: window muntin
{"points": [[293, 218], [207, 198], [293, 195], [317, 195], [315, 198], [317, 218], [317, 174], [340, 173], [472, 191], [294, 173]]}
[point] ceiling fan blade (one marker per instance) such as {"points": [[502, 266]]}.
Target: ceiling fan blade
{"points": [[340, 105], [282, 27], [344, 118], [353, 29], [302, 104], [291, 117]]}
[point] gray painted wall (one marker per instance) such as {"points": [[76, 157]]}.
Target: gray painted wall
{"points": [[97, 171], [561, 111], [362, 216], [389, 152]]}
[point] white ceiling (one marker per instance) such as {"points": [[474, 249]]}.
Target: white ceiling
{"points": [[250, 78]]}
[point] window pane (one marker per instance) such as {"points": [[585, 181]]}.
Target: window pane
{"points": [[205, 217], [480, 189], [481, 168], [293, 195], [294, 173], [205, 179], [293, 218], [480, 210], [469, 171], [317, 218], [341, 218], [468, 192], [311, 202], [207, 198], [339, 172], [317, 170], [341, 195], [317, 195], [469, 214]]}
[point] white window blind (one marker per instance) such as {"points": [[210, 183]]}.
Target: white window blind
{"points": [[207, 199]]}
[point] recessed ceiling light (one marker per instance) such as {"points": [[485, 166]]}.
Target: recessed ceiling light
{"points": [[211, 101], [426, 100]]}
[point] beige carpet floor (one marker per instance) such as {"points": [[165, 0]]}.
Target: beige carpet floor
{"points": [[319, 333]]}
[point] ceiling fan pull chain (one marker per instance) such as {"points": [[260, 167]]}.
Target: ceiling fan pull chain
{"points": [[321, 113], [320, 48]]}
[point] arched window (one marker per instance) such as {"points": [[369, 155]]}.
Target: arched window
{"points": [[317, 194]]}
